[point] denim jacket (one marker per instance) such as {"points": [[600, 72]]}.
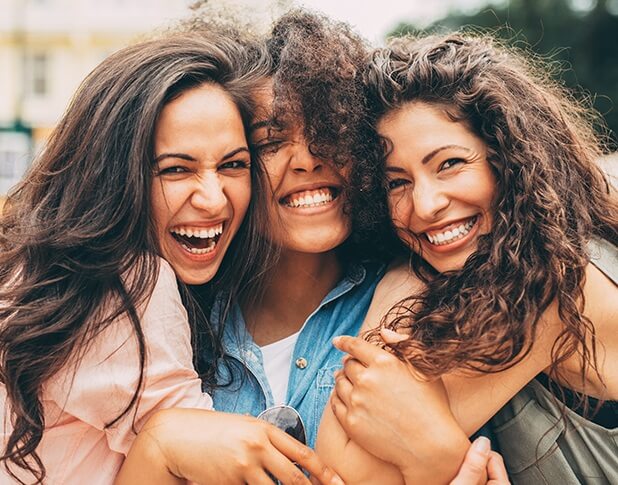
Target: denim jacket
{"points": [[314, 358]]}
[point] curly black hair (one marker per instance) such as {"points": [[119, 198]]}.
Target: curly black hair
{"points": [[317, 75]]}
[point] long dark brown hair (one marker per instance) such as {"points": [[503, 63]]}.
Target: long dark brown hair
{"points": [[80, 221], [552, 200]]}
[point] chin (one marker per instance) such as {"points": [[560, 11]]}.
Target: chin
{"points": [[192, 277]]}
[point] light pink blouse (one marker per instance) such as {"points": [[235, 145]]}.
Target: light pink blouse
{"points": [[82, 398]]}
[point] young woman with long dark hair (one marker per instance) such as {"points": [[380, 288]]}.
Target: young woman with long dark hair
{"points": [[507, 229], [145, 181]]}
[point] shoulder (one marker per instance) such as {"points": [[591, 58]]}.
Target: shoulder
{"points": [[398, 283]]}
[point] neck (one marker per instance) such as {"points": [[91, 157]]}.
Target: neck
{"points": [[297, 285]]}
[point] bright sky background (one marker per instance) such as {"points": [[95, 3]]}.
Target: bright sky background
{"points": [[375, 18]]}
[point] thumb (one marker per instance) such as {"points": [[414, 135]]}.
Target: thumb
{"points": [[391, 337], [473, 469]]}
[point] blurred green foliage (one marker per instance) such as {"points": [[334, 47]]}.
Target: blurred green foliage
{"points": [[581, 34]]}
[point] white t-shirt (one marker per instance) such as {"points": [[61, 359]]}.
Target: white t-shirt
{"points": [[277, 358]]}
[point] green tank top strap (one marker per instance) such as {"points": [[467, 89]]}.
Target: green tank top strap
{"points": [[604, 255]]}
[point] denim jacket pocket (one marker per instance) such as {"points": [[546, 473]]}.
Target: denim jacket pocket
{"points": [[325, 383]]}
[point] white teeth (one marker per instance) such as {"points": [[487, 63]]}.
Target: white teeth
{"points": [[451, 235], [318, 198], [201, 233], [208, 249]]}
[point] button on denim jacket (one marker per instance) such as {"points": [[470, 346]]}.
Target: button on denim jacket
{"points": [[340, 313]]}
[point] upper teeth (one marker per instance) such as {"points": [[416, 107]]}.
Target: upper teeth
{"points": [[310, 199], [202, 233], [453, 234]]}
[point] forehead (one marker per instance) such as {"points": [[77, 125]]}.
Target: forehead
{"points": [[266, 114]]}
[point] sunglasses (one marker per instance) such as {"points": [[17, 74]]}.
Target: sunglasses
{"points": [[286, 418]]}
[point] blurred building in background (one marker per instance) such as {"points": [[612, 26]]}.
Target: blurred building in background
{"points": [[46, 48]]}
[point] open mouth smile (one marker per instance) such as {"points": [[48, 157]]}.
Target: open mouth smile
{"points": [[310, 198], [198, 240], [451, 233]]}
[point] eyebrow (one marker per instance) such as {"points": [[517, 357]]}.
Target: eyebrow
{"points": [[433, 153], [427, 157], [189, 158], [271, 123], [261, 124]]}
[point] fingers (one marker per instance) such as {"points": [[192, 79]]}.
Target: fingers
{"points": [[282, 468], [260, 477], [353, 370], [391, 337], [358, 348], [496, 470], [343, 387], [339, 408], [475, 463], [304, 456]]}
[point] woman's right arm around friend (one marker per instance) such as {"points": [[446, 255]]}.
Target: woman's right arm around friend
{"points": [[212, 447]]}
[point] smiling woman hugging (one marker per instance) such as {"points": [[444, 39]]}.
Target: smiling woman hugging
{"points": [[146, 180], [508, 233]]}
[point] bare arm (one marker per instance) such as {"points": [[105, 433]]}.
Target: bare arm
{"points": [[382, 388], [210, 447]]}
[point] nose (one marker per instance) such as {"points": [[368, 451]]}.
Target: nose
{"points": [[303, 160], [430, 200], [209, 194]]}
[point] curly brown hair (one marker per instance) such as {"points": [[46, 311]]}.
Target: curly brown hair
{"points": [[317, 71], [553, 199]]}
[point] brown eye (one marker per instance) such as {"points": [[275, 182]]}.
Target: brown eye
{"points": [[451, 162], [234, 165], [172, 170]]}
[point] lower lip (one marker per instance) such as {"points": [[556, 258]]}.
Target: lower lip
{"points": [[455, 245]]}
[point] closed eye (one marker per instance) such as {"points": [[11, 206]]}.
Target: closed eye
{"points": [[268, 147], [396, 183]]}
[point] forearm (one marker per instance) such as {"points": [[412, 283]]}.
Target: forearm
{"points": [[351, 462], [146, 462]]}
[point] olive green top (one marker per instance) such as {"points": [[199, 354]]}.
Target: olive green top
{"points": [[538, 446]]}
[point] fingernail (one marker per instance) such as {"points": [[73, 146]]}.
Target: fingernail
{"points": [[336, 340], [482, 445], [337, 480]]}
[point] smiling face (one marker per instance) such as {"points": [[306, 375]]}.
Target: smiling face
{"points": [[202, 182], [441, 186], [306, 205]]}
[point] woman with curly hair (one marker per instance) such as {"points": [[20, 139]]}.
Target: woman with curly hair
{"points": [[507, 232], [146, 180]]}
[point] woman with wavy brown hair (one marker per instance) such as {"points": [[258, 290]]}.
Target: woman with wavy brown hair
{"points": [[506, 231], [137, 202]]}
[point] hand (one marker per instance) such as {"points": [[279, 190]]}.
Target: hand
{"points": [[481, 459], [212, 447], [386, 408]]}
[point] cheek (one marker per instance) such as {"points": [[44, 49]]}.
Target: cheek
{"points": [[400, 210], [160, 203], [239, 196]]}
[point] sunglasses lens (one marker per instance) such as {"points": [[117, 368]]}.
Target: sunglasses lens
{"points": [[287, 419]]}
